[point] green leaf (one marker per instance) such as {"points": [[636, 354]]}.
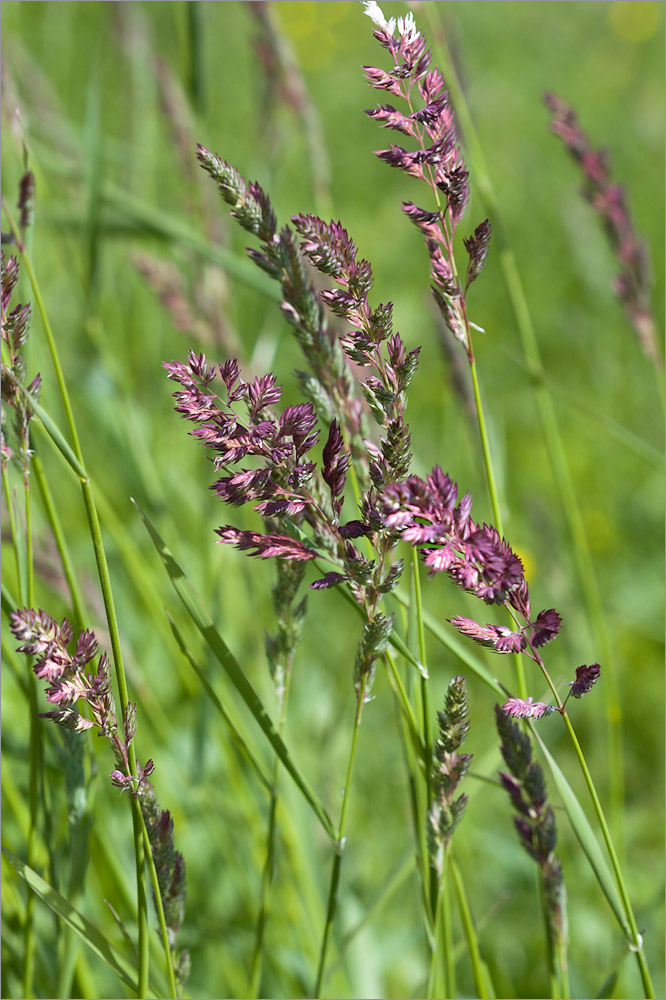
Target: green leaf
{"points": [[227, 660], [240, 742], [123, 967], [55, 434], [586, 838], [482, 977]]}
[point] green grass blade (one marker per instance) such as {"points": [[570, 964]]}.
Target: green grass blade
{"points": [[586, 838], [225, 657], [480, 970], [240, 742], [55, 434], [124, 968]]}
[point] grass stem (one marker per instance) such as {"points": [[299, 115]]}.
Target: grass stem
{"points": [[339, 845]]}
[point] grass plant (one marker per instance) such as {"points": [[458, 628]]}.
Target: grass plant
{"points": [[361, 773]]}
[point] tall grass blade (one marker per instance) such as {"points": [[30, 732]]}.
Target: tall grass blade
{"points": [[204, 624], [123, 967], [586, 838]]}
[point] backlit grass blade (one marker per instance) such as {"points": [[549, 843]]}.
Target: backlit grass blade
{"points": [[586, 838], [204, 624], [93, 938], [242, 744]]}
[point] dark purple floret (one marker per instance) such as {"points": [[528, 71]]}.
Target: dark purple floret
{"points": [[336, 463], [354, 529], [263, 392], [327, 581], [586, 677], [388, 117], [477, 249], [546, 626]]}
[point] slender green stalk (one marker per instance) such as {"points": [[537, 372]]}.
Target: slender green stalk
{"points": [[35, 764], [427, 721], [637, 942], [269, 863], [556, 952], [266, 883], [479, 969], [492, 488], [339, 844], [109, 607], [485, 447], [550, 430], [76, 597], [405, 706], [442, 960]]}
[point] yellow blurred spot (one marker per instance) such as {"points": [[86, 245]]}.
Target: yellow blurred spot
{"points": [[634, 20], [316, 30], [600, 530], [528, 563]]}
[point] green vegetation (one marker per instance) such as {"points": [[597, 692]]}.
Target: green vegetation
{"points": [[130, 242]]}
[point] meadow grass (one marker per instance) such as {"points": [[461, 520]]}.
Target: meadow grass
{"points": [[300, 809]]}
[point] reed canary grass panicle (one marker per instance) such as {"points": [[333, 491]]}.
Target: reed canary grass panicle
{"points": [[633, 283], [535, 824], [288, 485], [68, 682], [437, 161], [15, 328], [331, 250], [329, 385], [449, 767]]}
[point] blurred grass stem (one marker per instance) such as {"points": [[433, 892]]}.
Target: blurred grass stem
{"points": [[269, 863], [339, 844], [109, 606]]}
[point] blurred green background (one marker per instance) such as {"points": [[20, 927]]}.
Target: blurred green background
{"points": [[109, 99]]}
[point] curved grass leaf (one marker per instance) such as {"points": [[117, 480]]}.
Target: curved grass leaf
{"points": [[242, 744], [586, 838], [123, 967], [481, 972], [227, 660], [55, 434]]}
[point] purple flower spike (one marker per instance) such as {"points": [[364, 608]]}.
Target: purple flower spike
{"points": [[497, 637], [265, 546], [586, 677], [336, 463], [526, 709], [632, 284]]}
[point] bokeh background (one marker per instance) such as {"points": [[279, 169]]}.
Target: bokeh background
{"points": [[138, 261]]}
